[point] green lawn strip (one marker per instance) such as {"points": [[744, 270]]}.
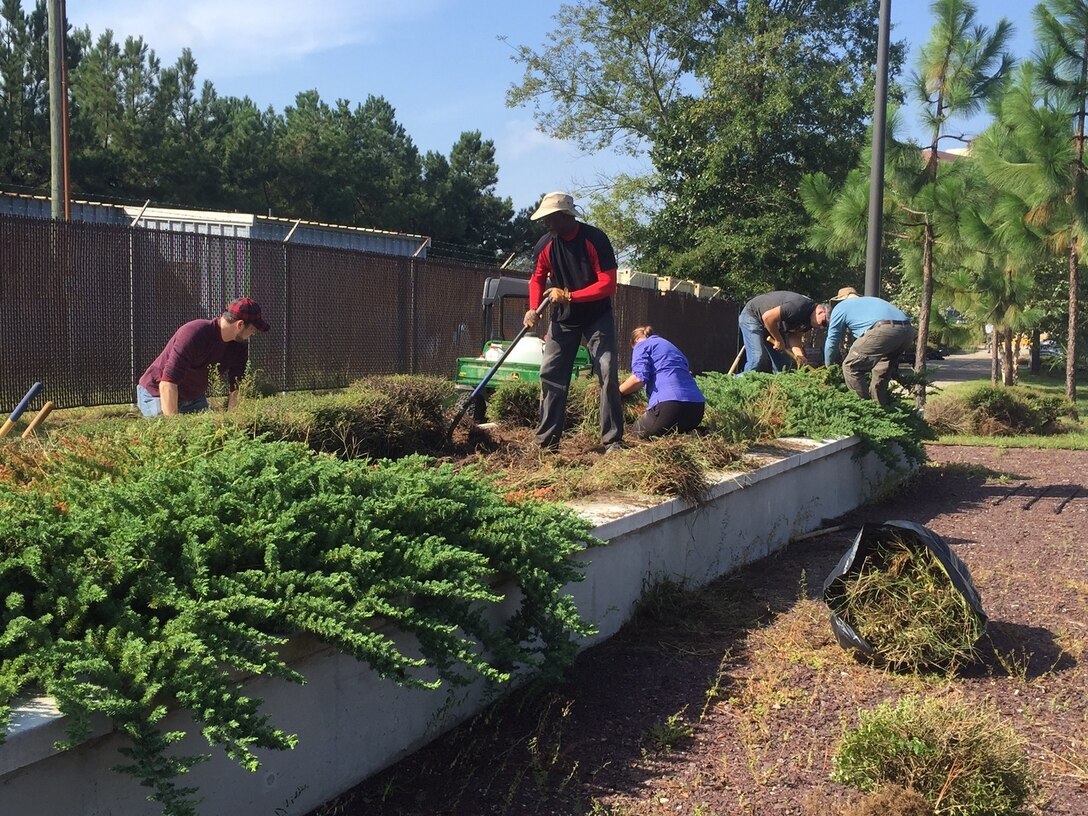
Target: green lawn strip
{"points": [[1050, 383], [1069, 441]]}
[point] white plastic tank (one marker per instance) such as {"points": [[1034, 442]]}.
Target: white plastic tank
{"points": [[529, 349]]}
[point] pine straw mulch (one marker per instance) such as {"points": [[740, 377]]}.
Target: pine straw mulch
{"points": [[731, 700], [673, 465]]}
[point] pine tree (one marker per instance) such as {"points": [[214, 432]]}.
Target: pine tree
{"points": [[961, 67], [1062, 30]]}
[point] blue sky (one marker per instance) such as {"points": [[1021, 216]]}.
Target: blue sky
{"points": [[440, 63]]}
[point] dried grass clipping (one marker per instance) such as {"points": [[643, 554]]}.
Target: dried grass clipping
{"points": [[902, 602]]}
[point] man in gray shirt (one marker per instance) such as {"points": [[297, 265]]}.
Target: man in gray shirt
{"points": [[778, 319]]}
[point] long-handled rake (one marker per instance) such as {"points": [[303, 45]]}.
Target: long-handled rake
{"points": [[479, 389]]}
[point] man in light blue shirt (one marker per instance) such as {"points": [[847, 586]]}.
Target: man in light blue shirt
{"points": [[882, 334]]}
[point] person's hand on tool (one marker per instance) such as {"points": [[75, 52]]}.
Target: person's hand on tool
{"points": [[557, 295], [530, 319], [776, 344]]}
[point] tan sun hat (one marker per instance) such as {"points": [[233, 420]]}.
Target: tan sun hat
{"points": [[554, 202], [844, 293]]}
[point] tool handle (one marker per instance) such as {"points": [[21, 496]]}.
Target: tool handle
{"points": [[491, 372], [25, 401], [18, 412], [38, 420]]}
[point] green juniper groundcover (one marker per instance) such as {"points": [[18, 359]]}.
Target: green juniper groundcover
{"points": [[155, 565]]}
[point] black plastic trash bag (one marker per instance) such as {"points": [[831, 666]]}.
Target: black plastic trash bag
{"points": [[868, 540]]}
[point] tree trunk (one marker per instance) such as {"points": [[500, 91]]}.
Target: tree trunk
{"points": [[1006, 358], [1074, 248], [995, 356], [1036, 358], [923, 314], [1071, 349]]}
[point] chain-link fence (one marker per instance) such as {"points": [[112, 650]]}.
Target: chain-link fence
{"points": [[85, 308]]}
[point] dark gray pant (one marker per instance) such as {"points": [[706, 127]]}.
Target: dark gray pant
{"points": [[876, 352], [555, 371]]}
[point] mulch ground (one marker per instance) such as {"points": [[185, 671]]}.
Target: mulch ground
{"points": [[731, 699]]}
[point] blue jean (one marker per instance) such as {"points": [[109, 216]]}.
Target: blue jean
{"points": [[151, 406], [758, 356]]}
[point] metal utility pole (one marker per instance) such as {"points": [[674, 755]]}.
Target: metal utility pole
{"points": [[58, 110], [876, 173]]}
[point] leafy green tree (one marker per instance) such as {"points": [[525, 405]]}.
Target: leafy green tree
{"points": [[24, 104], [309, 184], [384, 165], [962, 66], [117, 122], [1031, 155], [241, 138], [612, 70], [474, 174], [186, 167], [141, 130], [461, 212], [733, 102], [839, 215], [787, 89], [997, 284]]}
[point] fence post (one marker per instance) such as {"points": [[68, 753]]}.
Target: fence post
{"points": [[286, 307], [413, 316]]}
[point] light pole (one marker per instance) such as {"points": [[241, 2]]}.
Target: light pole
{"points": [[58, 110], [876, 173]]}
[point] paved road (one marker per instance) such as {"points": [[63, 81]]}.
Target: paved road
{"points": [[974, 365]]}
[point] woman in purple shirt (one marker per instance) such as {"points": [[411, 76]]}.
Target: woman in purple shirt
{"points": [[675, 401]]}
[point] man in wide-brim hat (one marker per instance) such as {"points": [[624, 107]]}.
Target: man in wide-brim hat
{"points": [[574, 266]]}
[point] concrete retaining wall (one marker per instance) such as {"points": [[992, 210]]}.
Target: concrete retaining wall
{"points": [[351, 723]]}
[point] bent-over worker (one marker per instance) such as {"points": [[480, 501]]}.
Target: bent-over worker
{"points": [[881, 333], [176, 382], [675, 402], [782, 318]]}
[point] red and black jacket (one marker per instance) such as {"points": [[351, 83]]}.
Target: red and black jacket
{"points": [[583, 263]]}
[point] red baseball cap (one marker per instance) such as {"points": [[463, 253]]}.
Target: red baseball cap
{"points": [[249, 311]]}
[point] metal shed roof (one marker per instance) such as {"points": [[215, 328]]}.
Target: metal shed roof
{"points": [[228, 224]]}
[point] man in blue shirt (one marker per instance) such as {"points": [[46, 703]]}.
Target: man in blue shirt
{"points": [[882, 334]]}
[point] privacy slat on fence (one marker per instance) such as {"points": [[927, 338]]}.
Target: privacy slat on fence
{"points": [[84, 308]]}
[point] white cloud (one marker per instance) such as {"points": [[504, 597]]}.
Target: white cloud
{"points": [[521, 138], [532, 163], [245, 37]]}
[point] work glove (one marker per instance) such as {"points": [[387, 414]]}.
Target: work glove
{"points": [[557, 295], [530, 319]]}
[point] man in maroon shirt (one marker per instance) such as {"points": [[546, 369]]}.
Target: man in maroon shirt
{"points": [[579, 261], [177, 381]]}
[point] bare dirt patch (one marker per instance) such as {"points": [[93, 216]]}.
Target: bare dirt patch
{"points": [[731, 700]]}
